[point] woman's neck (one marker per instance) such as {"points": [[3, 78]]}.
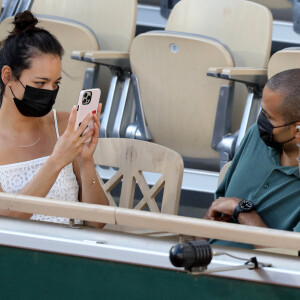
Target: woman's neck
{"points": [[12, 119]]}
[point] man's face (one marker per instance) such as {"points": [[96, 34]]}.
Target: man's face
{"points": [[270, 107]]}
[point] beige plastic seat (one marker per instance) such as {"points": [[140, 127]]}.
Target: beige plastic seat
{"points": [[132, 158], [71, 35], [179, 101], [112, 21], [284, 59]]}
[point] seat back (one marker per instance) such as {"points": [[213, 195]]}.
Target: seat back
{"points": [[132, 158], [179, 100], [244, 27], [112, 21], [284, 59], [71, 35], [223, 172]]}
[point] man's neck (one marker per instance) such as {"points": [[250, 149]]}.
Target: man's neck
{"points": [[289, 157]]}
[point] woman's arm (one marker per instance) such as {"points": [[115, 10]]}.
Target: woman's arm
{"points": [[14, 214], [90, 190]]}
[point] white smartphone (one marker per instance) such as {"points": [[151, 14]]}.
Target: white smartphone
{"points": [[87, 103]]}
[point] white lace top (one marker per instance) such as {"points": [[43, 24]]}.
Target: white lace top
{"points": [[14, 177]]}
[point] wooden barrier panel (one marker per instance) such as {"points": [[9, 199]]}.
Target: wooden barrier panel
{"points": [[152, 221], [58, 208]]}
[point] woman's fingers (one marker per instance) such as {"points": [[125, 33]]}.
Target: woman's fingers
{"points": [[84, 124], [87, 135], [72, 119], [95, 136], [96, 121], [99, 110]]}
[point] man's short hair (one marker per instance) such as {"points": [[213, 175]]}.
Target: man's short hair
{"points": [[287, 83]]}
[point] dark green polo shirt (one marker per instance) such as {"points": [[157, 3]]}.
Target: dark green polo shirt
{"points": [[256, 174]]}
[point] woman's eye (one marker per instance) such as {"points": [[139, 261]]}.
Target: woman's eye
{"points": [[40, 84], [56, 84]]}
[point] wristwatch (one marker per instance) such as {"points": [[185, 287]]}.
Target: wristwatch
{"points": [[243, 206]]}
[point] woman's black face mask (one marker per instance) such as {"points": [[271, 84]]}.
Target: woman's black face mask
{"points": [[265, 129], [36, 102]]}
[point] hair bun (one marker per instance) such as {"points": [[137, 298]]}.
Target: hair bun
{"points": [[23, 22]]}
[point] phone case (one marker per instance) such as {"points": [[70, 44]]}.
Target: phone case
{"points": [[87, 103]]}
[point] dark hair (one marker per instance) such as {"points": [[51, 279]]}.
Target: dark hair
{"points": [[287, 83], [25, 42]]}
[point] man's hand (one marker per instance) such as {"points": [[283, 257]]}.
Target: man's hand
{"points": [[222, 209]]}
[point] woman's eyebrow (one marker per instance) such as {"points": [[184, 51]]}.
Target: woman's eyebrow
{"points": [[46, 79]]}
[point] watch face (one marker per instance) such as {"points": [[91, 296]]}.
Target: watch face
{"points": [[246, 205]]}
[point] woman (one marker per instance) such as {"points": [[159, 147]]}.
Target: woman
{"points": [[41, 154]]}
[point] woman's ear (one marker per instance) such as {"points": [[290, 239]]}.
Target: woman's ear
{"points": [[6, 74]]}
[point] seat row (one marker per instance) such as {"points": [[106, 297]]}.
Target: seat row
{"points": [[176, 104]]}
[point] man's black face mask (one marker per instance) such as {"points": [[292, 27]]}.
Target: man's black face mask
{"points": [[36, 102], [265, 129]]}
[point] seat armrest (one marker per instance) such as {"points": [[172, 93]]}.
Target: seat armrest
{"points": [[78, 54], [108, 58], [248, 76], [214, 72]]}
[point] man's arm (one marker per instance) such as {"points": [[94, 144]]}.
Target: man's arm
{"points": [[222, 210]]}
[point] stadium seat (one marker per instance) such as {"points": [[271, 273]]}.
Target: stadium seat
{"points": [[285, 59], [178, 99], [183, 108]]}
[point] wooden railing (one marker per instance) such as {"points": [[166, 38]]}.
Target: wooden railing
{"points": [[153, 221]]}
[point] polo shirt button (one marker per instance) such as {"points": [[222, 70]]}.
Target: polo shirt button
{"points": [[266, 186]]}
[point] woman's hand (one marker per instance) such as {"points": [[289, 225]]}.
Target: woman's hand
{"points": [[89, 148], [71, 143]]}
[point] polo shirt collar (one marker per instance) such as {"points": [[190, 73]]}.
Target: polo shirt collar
{"points": [[275, 157]]}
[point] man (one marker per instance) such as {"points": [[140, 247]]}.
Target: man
{"points": [[265, 171]]}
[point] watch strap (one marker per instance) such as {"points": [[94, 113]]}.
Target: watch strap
{"points": [[236, 212]]}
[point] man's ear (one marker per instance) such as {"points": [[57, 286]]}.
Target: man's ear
{"points": [[297, 135], [6, 74]]}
